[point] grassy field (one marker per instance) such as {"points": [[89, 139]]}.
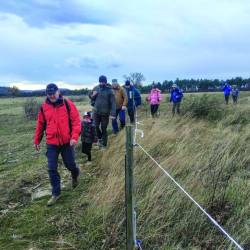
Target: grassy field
{"points": [[206, 149]]}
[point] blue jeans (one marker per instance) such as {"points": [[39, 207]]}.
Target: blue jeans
{"points": [[68, 155], [122, 119]]}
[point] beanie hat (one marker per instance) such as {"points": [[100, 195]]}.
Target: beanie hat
{"points": [[103, 79], [127, 83]]}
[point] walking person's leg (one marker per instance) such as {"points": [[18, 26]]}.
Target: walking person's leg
{"points": [[173, 108], [156, 109], [89, 156], [152, 110], [122, 118], [68, 156], [88, 152], [131, 114], [226, 98], [52, 156], [235, 99], [97, 122], [85, 148], [104, 125], [178, 104], [115, 123]]}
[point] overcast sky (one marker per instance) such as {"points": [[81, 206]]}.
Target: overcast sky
{"points": [[72, 42]]}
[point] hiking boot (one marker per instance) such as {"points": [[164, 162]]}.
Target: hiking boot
{"points": [[53, 200], [75, 182]]}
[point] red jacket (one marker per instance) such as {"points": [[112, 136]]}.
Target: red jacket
{"points": [[54, 119]]}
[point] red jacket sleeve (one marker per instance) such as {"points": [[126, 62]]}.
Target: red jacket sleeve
{"points": [[75, 121], [40, 126]]}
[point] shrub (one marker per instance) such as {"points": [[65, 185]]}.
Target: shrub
{"points": [[203, 106], [31, 108]]}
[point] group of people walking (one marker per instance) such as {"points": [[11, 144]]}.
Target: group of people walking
{"points": [[60, 120], [228, 90]]}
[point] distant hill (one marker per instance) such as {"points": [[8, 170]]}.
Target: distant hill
{"points": [[4, 90]]}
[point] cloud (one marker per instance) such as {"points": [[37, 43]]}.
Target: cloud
{"points": [[76, 41], [81, 63], [40, 13], [79, 39]]}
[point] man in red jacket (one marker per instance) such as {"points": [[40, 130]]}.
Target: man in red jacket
{"points": [[60, 120]]}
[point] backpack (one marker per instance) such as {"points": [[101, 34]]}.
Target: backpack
{"points": [[68, 111]]}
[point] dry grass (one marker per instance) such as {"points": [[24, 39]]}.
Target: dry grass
{"points": [[210, 159]]}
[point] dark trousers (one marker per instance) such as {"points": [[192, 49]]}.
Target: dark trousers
{"points": [[68, 155], [131, 114], [154, 109], [235, 99], [226, 98], [122, 118], [176, 107], [101, 124], [86, 149]]}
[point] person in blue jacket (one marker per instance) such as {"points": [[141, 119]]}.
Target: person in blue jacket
{"points": [[227, 90], [235, 93], [134, 100], [176, 96]]}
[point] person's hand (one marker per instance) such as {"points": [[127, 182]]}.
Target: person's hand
{"points": [[112, 117], [94, 93], [37, 147], [72, 142], [124, 107]]}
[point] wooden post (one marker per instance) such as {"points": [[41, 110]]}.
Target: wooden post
{"points": [[129, 188]]}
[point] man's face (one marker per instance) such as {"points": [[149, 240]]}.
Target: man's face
{"points": [[102, 83], [53, 97], [114, 85]]}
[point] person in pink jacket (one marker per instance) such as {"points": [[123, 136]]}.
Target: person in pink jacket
{"points": [[154, 99]]}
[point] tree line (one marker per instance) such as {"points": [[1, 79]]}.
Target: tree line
{"points": [[138, 79], [198, 85]]}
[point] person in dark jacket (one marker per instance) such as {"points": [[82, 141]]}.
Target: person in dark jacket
{"points": [[176, 97], [134, 100], [103, 102], [227, 90], [60, 119], [88, 135], [235, 94]]}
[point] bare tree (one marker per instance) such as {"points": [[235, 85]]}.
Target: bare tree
{"points": [[136, 78], [14, 91]]}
